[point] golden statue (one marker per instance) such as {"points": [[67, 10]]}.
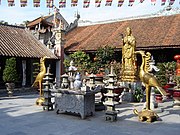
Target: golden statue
{"points": [[39, 79], [129, 69], [149, 81]]}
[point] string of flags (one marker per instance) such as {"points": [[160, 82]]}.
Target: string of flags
{"points": [[86, 3]]}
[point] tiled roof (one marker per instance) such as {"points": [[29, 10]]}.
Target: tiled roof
{"points": [[18, 42], [39, 20], [150, 33]]}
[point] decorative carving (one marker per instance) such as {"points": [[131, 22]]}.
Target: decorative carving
{"points": [[75, 102]]}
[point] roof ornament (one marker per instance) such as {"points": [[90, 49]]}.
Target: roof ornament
{"points": [[152, 66], [56, 10], [74, 24]]}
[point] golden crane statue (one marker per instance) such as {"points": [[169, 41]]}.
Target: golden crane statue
{"points": [[39, 79], [149, 81]]}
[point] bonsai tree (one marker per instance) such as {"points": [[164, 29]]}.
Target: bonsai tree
{"points": [[104, 56], [166, 73], [10, 73], [81, 61]]}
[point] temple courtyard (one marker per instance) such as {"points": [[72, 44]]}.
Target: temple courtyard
{"points": [[20, 116]]}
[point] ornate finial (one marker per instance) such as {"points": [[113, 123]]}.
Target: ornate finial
{"points": [[112, 68], [152, 65]]}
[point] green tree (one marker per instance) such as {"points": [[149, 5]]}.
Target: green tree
{"points": [[167, 70], [104, 56], [24, 23], [10, 72], [81, 60], [3, 22]]}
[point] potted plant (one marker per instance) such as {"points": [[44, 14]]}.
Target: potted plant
{"points": [[81, 61], [138, 95], [10, 75], [158, 96]]}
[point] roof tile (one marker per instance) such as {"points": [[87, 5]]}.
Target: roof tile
{"points": [[149, 33], [18, 42]]}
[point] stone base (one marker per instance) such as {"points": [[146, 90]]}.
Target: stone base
{"points": [[129, 75], [130, 90], [146, 115], [10, 93], [111, 116]]}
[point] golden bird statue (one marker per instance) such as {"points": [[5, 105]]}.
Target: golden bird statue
{"points": [[39, 79], [149, 81]]}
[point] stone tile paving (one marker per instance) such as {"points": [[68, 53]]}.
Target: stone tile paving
{"points": [[20, 116]]}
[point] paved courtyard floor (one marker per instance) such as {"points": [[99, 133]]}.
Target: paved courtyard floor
{"points": [[20, 116]]}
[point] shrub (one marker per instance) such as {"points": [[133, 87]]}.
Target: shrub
{"points": [[10, 72]]}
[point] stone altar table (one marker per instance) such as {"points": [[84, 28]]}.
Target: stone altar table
{"points": [[79, 102]]}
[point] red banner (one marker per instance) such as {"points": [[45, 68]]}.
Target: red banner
{"points": [[171, 2], [62, 3], [49, 3], [86, 3], [120, 3], [74, 3], [163, 2], [11, 3], [23, 3], [131, 2], [36, 3], [97, 3], [108, 2], [153, 2]]}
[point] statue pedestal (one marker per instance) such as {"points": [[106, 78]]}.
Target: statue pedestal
{"points": [[131, 87]]}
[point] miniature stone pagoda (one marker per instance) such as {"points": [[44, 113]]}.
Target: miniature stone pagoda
{"points": [[47, 104], [111, 113]]}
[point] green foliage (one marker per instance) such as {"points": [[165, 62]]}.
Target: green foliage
{"points": [[156, 91], [161, 74], [177, 79], [138, 95], [10, 72], [104, 55], [81, 60], [3, 22], [166, 69]]}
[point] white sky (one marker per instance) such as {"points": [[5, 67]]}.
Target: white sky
{"points": [[19, 14]]}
